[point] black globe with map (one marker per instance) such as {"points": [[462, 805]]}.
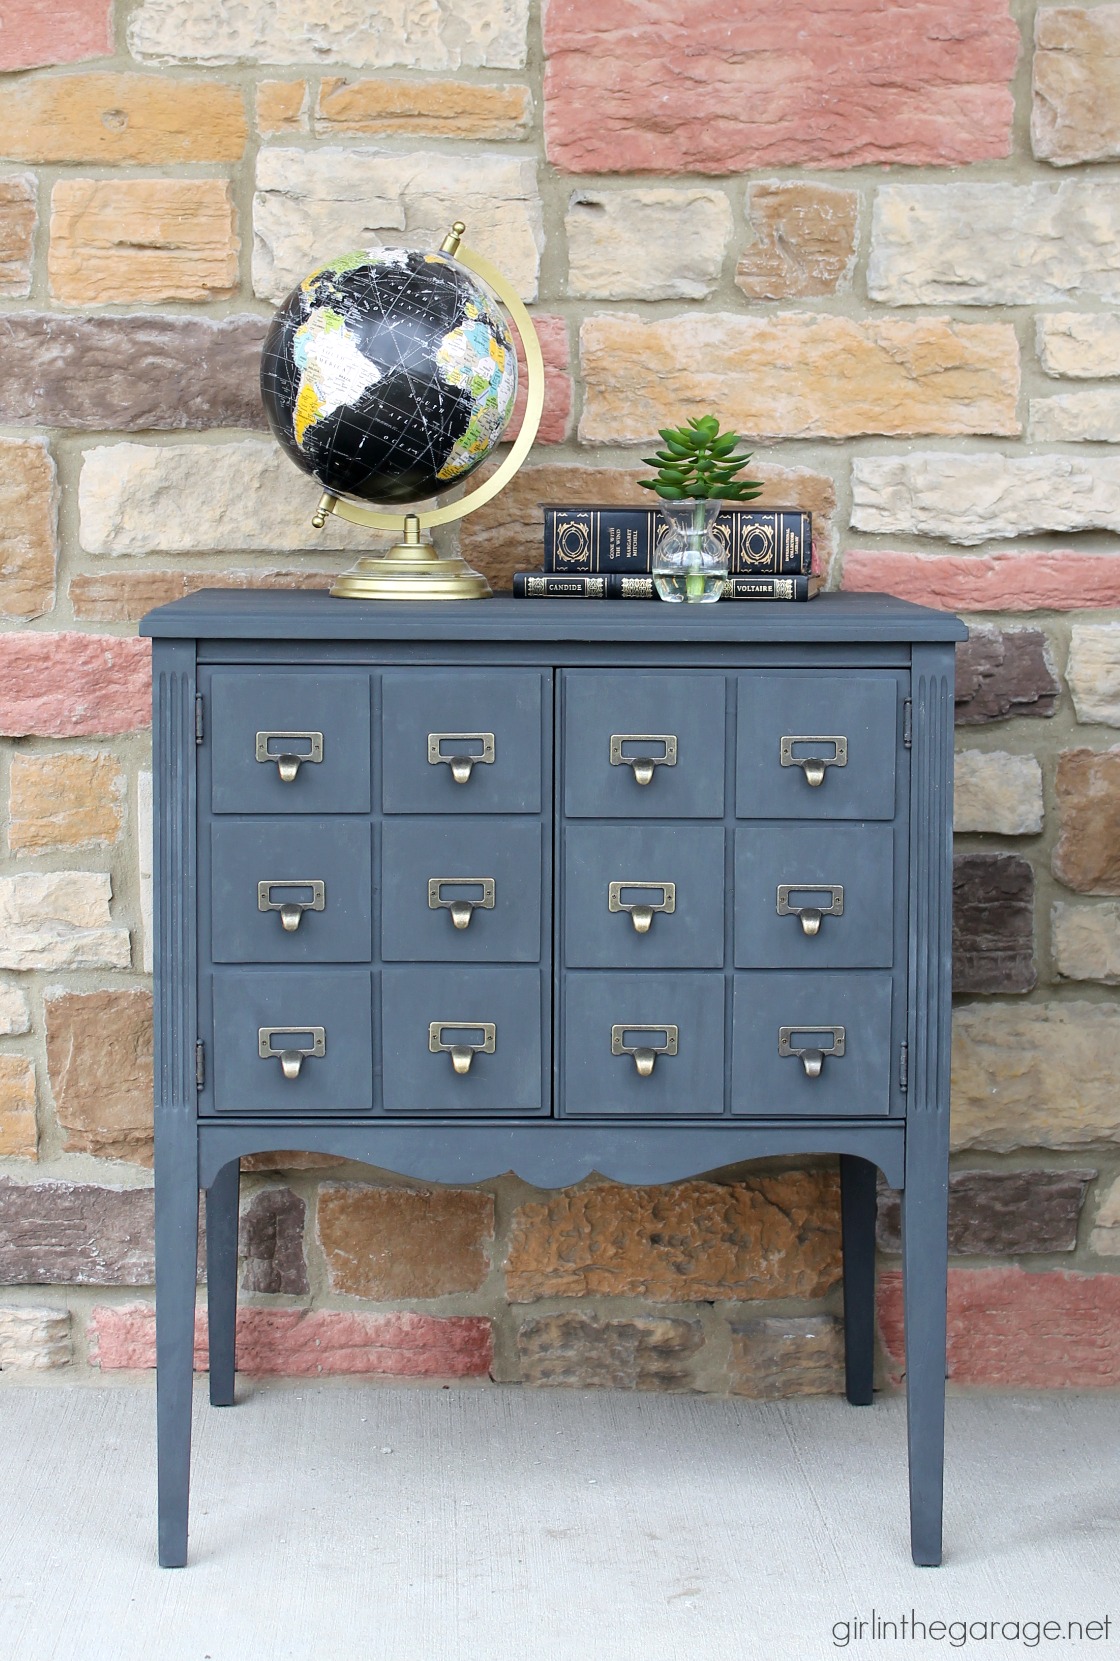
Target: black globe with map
{"points": [[389, 375]]}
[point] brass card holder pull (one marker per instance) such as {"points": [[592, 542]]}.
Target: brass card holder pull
{"points": [[641, 912], [644, 1054], [461, 910], [642, 766], [291, 910], [461, 763], [811, 1057], [814, 766], [462, 1053], [290, 1055], [288, 760], [811, 915]]}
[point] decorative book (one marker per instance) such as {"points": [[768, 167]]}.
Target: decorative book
{"points": [[555, 585], [618, 540]]}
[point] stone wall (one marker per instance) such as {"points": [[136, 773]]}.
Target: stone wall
{"points": [[884, 241]]}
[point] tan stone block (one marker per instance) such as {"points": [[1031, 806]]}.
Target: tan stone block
{"points": [[644, 1352], [974, 498], [125, 596], [19, 214], [1105, 1238], [431, 109], [119, 240], [33, 1338], [1076, 417], [1084, 345], [142, 119], [776, 1356], [804, 241], [388, 1243], [290, 1160], [1075, 115], [99, 1059], [796, 375], [998, 793], [283, 107], [1086, 941], [15, 1011], [770, 1236], [656, 243], [19, 1134], [28, 520], [60, 920], [72, 799], [1087, 853], [1035, 1075], [1093, 672]]}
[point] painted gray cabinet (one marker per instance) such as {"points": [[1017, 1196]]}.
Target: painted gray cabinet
{"points": [[558, 888]]}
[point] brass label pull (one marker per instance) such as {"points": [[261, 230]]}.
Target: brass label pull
{"points": [[644, 1054], [814, 766], [291, 910], [642, 766], [461, 762], [642, 912], [810, 1056], [289, 760], [462, 910], [291, 1055], [811, 915], [461, 1051]]}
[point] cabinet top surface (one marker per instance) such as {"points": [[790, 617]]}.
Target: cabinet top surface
{"points": [[312, 614]]}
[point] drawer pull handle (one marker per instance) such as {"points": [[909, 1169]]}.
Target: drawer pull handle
{"points": [[810, 1056], [462, 764], [642, 766], [291, 911], [642, 912], [462, 1053], [811, 915], [813, 767], [290, 1055], [645, 1054], [289, 761], [461, 910]]}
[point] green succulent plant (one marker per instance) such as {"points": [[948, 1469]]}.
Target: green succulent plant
{"points": [[698, 462]]}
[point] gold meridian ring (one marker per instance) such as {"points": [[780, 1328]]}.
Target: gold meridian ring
{"points": [[534, 404]]}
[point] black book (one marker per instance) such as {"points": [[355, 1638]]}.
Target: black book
{"points": [[605, 540], [551, 585]]}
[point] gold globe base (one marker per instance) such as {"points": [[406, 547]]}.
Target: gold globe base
{"points": [[411, 570]]}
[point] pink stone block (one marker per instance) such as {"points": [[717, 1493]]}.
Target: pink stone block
{"points": [[1052, 1331], [70, 685], [1018, 580], [33, 32], [307, 1342], [636, 86], [552, 332]]}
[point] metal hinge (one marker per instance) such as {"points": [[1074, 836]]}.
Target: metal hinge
{"points": [[199, 719], [907, 724], [904, 1067], [199, 1064]]}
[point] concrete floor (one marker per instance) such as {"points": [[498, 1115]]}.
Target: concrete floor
{"points": [[350, 1522]]}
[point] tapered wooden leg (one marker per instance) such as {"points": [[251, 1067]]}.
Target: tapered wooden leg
{"points": [[176, 1180], [924, 1274], [857, 1211], [221, 1280]]}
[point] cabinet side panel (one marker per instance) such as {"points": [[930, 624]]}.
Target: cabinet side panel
{"points": [[174, 864], [931, 880]]}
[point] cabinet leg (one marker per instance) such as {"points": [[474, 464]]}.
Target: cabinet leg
{"points": [[176, 1179], [857, 1212], [924, 1274], [221, 1280]]}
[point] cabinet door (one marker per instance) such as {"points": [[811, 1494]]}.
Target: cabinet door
{"points": [[490, 1015], [640, 746], [815, 896], [461, 890], [610, 1019], [291, 891], [297, 742], [265, 1019], [642, 896], [461, 740], [820, 1045], [813, 746]]}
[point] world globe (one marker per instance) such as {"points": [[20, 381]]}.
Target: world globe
{"points": [[389, 374]]}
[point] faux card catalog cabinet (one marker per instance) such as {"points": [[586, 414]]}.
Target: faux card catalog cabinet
{"points": [[553, 888]]}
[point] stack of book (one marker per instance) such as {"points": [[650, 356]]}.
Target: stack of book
{"points": [[606, 553]]}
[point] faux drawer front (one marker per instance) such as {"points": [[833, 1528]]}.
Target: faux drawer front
{"points": [[461, 741], [291, 891], [676, 1018], [643, 746], [492, 1016], [293, 1014], [461, 892], [292, 743], [827, 1011], [643, 896], [816, 746], [814, 896]]}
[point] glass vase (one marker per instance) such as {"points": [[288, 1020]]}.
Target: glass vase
{"points": [[690, 558]]}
